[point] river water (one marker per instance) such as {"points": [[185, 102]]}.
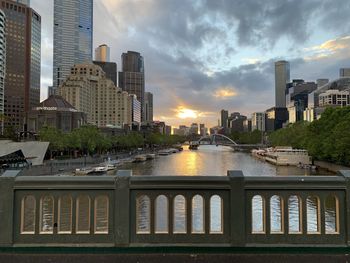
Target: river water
{"points": [[212, 160]]}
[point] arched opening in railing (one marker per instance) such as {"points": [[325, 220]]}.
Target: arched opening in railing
{"points": [[83, 214], [143, 215], [101, 214], [65, 206], [313, 215], [258, 215], [180, 219], [162, 215], [28, 208], [198, 215], [331, 215], [46, 215], [294, 215], [216, 215], [276, 215]]}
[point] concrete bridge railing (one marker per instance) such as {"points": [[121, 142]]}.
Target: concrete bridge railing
{"points": [[125, 211]]}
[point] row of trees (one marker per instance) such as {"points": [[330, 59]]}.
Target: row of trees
{"points": [[326, 139], [89, 140], [254, 137]]}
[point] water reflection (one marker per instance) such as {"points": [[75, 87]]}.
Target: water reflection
{"points": [[211, 160]]}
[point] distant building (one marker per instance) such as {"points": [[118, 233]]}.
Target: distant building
{"points": [[136, 110], [23, 62], [203, 130], [72, 41], [182, 130], [282, 77], [194, 129], [236, 121], [224, 119], [297, 95], [132, 77], [2, 67], [247, 125], [89, 91], [148, 107], [55, 112], [168, 130], [334, 98], [275, 118], [110, 68], [314, 110], [24, 2], [344, 72], [103, 53], [258, 121], [321, 82]]}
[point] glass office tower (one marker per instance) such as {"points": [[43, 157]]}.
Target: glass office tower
{"points": [[73, 31]]}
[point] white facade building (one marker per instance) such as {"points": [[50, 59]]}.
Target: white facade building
{"points": [[258, 121]]}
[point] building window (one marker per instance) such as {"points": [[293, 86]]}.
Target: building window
{"points": [[28, 215]]}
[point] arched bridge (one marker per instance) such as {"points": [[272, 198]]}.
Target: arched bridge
{"points": [[222, 140]]}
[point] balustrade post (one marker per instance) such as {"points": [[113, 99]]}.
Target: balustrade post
{"points": [[122, 209], [6, 210], [237, 209], [346, 174]]}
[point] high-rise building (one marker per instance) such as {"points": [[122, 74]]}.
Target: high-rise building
{"points": [[2, 67], [103, 53], [275, 118], [110, 68], [258, 121], [321, 82], [23, 59], [282, 77], [148, 107], [88, 90], [194, 129], [344, 72], [224, 119], [24, 2], [73, 30], [135, 109], [132, 77]]}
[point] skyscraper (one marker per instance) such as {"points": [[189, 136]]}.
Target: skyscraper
{"points": [[282, 77], [132, 77], [2, 67], [73, 30], [148, 106], [102, 53], [23, 59], [224, 119]]}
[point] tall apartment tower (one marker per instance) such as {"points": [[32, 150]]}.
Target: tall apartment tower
{"points": [[73, 30], [224, 119], [282, 77], [132, 77], [102, 59], [23, 59], [103, 53], [2, 67], [148, 107]]}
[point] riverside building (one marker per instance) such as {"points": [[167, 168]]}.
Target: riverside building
{"points": [[88, 90]]}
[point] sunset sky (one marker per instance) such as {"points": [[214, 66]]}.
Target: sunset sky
{"points": [[205, 55]]}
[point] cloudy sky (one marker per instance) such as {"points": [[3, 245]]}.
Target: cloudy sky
{"points": [[205, 55]]}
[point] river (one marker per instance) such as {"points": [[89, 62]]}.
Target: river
{"points": [[212, 160]]}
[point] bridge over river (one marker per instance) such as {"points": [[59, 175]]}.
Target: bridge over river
{"points": [[222, 140], [125, 218]]}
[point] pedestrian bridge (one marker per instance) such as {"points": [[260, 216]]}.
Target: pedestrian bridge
{"points": [[190, 219], [222, 140]]}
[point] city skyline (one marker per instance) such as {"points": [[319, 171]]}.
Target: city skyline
{"points": [[216, 64]]}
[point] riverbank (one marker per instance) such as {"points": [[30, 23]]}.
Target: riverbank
{"points": [[332, 167]]}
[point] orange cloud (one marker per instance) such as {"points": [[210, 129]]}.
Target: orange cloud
{"points": [[224, 93]]}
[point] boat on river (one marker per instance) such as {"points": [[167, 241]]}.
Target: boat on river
{"points": [[288, 156], [140, 158], [83, 171], [150, 156]]}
